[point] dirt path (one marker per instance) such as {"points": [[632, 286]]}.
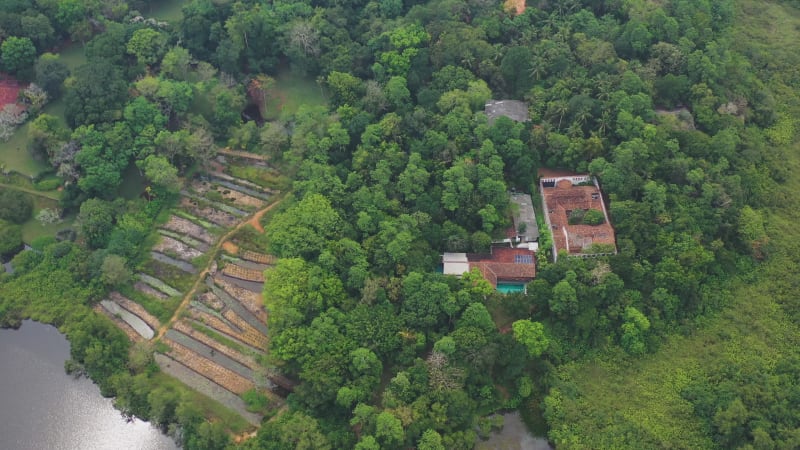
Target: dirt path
{"points": [[30, 191], [240, 154], [255, 221], [202, 275]]}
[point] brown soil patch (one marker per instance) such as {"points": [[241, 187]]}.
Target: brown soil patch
{"points": [[230, 247], [516, 7], [255, 221]]}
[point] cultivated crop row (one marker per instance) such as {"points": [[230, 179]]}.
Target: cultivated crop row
{"points": [[131, 319], [187, 329], [228, 379], [146, 289], [135, 308], [197, 208], [243, 273], [121, 324], [210, 353], [258, 257], [220, 326], [184, 226], [172, 246], [205, 386], [160, 285], [248, 334], [196, 243], [249, 299]]}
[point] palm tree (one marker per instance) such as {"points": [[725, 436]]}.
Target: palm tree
{"points": [[603, 123]]}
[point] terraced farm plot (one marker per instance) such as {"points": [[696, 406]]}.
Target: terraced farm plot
{"points": [[231, 302], [222, 327], [184, 226], [243, 273], [236, 198], [132, 334], [244, 263], [131, 319], [213, 339], [249, 299], [243, 359], [200, 245], [221, 218], [159, 285], [228, 379], [146, 289], [248, 334], [258, 257], [210, 353], [170, 246], [211, 300], [237, 186], [136, 309], [206, 387], [245, 183]]}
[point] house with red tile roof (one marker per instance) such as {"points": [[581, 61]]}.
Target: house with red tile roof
{"points": [[508, 269], [576, 216]]}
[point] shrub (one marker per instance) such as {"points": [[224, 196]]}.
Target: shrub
{"points": [[15, 206], [48, 216], [593, 217], [10, 238], [576, 216], [48, 184]]}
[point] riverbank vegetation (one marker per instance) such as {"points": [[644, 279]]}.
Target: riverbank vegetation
{"points": [[380, 133]]}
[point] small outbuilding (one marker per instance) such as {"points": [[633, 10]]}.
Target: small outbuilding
{"points": [[513, 109]]}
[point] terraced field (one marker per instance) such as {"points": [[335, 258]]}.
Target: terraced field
{"points": [[219, 331]]}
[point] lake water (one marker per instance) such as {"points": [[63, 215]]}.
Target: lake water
{"points": [[41, 407]]}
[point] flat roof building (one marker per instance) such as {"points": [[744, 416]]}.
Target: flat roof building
{"points": [[513, 109], [525, 226]]}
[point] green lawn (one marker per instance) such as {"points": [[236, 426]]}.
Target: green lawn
{"points": [[33, 229], [14, 153], [290, 92], [73, 56]]}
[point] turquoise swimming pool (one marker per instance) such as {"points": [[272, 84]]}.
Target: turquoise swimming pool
{"points": [[510, 288]]}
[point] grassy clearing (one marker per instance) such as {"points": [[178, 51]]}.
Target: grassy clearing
{"points": [[33, 229], [73, 56], [290, 92]]}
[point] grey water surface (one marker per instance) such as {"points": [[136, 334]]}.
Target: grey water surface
{"points": [[41, 407]]}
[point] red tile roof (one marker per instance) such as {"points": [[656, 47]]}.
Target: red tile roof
{"points": [[559, 201], [502, 264]]}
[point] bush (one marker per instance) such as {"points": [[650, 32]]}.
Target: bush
{"points": [[48, 184], [10, 238], [576, 216], [594, 217], [15, 206]]}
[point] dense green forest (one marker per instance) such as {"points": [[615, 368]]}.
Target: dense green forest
{"points": [[684, 110]]}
